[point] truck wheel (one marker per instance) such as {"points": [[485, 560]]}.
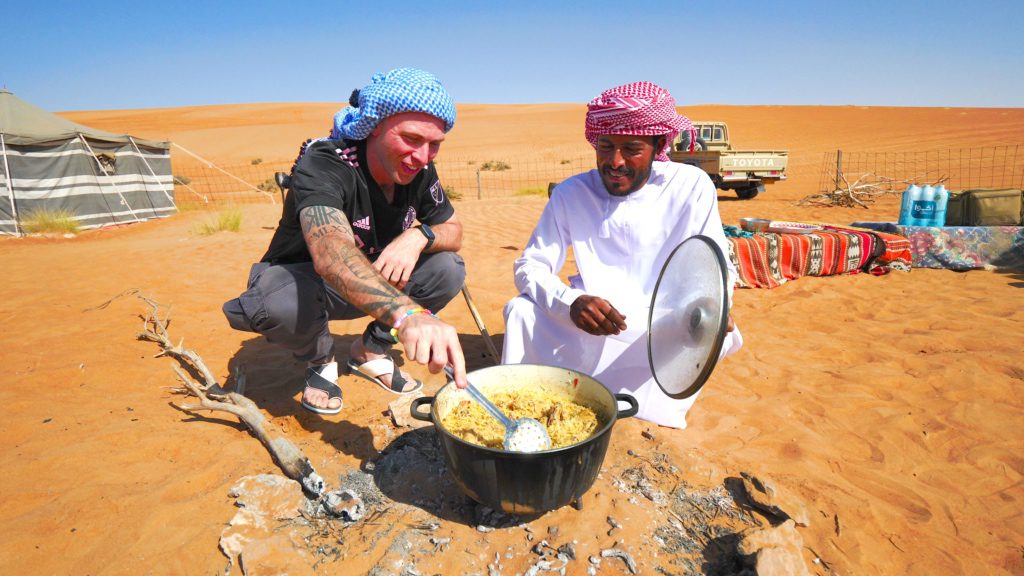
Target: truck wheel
{"points": [[701, 145], [750, 192]]}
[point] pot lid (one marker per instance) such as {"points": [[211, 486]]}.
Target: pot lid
{"points": [[688, 317]]}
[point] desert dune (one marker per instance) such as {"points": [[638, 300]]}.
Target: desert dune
{"points": [[887, 407]]}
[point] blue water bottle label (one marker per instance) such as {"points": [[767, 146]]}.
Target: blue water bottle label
{"points": [[922, 210]]}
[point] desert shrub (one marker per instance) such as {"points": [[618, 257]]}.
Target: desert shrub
{"points": [[256, 161], [452, 193], [180, 179], [229, 220], [268, 185], [566, 162], [531, 191], [495, 166], [50, 222], [189, 204]]}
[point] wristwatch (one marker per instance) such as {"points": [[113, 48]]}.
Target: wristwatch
{"points": [[429, 234]]}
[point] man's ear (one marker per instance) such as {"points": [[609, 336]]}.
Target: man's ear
{"points": [[659, 143]]}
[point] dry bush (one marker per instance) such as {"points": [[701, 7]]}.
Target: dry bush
{"points": [[229, 220], [495, 166], [531, 191], [50, 222]]}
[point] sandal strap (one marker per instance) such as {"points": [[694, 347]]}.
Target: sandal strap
{"points": [[397, 381], [315, 380], [379, 367], [374, 369]]}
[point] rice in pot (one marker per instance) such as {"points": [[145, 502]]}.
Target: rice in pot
{"points": [[567, 422]]}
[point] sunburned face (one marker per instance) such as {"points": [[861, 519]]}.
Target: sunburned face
{"points": [[624, 161], [402, 145]]}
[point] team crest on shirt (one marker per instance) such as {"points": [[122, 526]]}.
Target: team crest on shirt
{"points": [[410, 217], [437, 192]]}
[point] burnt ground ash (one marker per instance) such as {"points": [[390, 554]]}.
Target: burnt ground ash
{"points": [[411, 509]]}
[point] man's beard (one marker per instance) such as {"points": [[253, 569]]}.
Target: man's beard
{"points": [[637, 180]]}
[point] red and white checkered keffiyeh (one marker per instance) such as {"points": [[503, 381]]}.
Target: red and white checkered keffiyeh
{"points": [[641, 109]]}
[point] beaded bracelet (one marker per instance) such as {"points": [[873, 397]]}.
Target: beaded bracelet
{"points": [[394, 329]]}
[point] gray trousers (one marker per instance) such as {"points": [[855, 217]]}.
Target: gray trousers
{"points": [[290, 304]]}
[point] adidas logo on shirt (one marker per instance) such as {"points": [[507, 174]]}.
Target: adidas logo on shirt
{"points": [[363, 223]]}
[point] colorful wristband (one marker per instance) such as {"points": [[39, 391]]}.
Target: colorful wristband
{"points": [[394, 329]]}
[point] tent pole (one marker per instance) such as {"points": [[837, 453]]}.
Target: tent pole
{"points": [[10, 186], [104, 170], [143, 158], [212, 165]]}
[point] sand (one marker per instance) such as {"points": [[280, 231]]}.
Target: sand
{"points": [[888, 406]]}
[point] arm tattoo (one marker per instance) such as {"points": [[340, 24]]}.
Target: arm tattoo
{"points": [[316, 216], [343, 265]]}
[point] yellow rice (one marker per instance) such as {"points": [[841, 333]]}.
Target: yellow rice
{"points": [[567, 422]]}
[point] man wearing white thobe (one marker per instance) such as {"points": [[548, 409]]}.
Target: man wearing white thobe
{"points": [[621, 221]]}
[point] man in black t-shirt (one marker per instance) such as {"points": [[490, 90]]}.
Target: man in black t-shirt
{"points": [[348, 244]]}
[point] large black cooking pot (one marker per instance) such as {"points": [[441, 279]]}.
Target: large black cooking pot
{"points": [[527, 483]]}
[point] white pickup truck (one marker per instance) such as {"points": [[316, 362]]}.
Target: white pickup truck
{"points": [[745, 171]]}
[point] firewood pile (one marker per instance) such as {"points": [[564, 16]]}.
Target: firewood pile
{"points": [[862, 191]]}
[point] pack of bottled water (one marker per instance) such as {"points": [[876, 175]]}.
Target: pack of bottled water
{"points": [[924, 205]]}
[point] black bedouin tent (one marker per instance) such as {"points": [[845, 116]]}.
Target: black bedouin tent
{"points": [[53, 164]]}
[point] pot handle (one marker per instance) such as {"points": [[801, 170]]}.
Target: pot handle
{"points": [[416, 403], [634, 406]]}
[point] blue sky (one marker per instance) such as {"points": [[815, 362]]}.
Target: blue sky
{"points": [[66, 56]]}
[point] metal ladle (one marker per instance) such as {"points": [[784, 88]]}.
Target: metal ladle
{"points": [[522, 434]]}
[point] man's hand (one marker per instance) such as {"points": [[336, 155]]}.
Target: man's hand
{"points": [[341, 264], [430, 341], [596, 316], [398, 258]]}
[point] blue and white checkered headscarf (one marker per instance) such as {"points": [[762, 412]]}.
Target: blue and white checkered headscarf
{"points": [[397, 91]]}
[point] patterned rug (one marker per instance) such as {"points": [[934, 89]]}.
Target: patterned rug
{"points": [[960, 247], [768, 260]]}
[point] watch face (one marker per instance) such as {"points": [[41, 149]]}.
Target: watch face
{"points": [[429, 234]]}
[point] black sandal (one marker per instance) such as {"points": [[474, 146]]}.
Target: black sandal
{"points": [[316, 381]]}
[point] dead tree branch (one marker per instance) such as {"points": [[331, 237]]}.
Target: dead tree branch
{"points": [[212, 397], [863, 191]]}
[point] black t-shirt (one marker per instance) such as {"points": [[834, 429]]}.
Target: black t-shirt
{"points": [[321, 178]]}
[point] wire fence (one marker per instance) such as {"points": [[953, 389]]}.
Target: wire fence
{"points": [[957, 168], [497, 178], [199, 185], [212, 186], [205, 185]]}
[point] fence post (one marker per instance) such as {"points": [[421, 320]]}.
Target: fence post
{"points": [[478, 193], [839, 168]]}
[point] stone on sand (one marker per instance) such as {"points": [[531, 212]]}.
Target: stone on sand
{"points": [[777, 551], [766, 495]]}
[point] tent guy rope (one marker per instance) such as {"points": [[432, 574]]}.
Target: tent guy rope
{"points": [[230, 175]]}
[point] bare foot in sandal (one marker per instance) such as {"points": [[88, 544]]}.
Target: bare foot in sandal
{"points": [[322, 394], [381, 369]]}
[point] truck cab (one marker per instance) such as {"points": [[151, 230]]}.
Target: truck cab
{"points": [[744, 171], [710, 136]]}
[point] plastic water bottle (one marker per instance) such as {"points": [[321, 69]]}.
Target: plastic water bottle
{"points": [[905, 202], [922, 208], [941, 199]]}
